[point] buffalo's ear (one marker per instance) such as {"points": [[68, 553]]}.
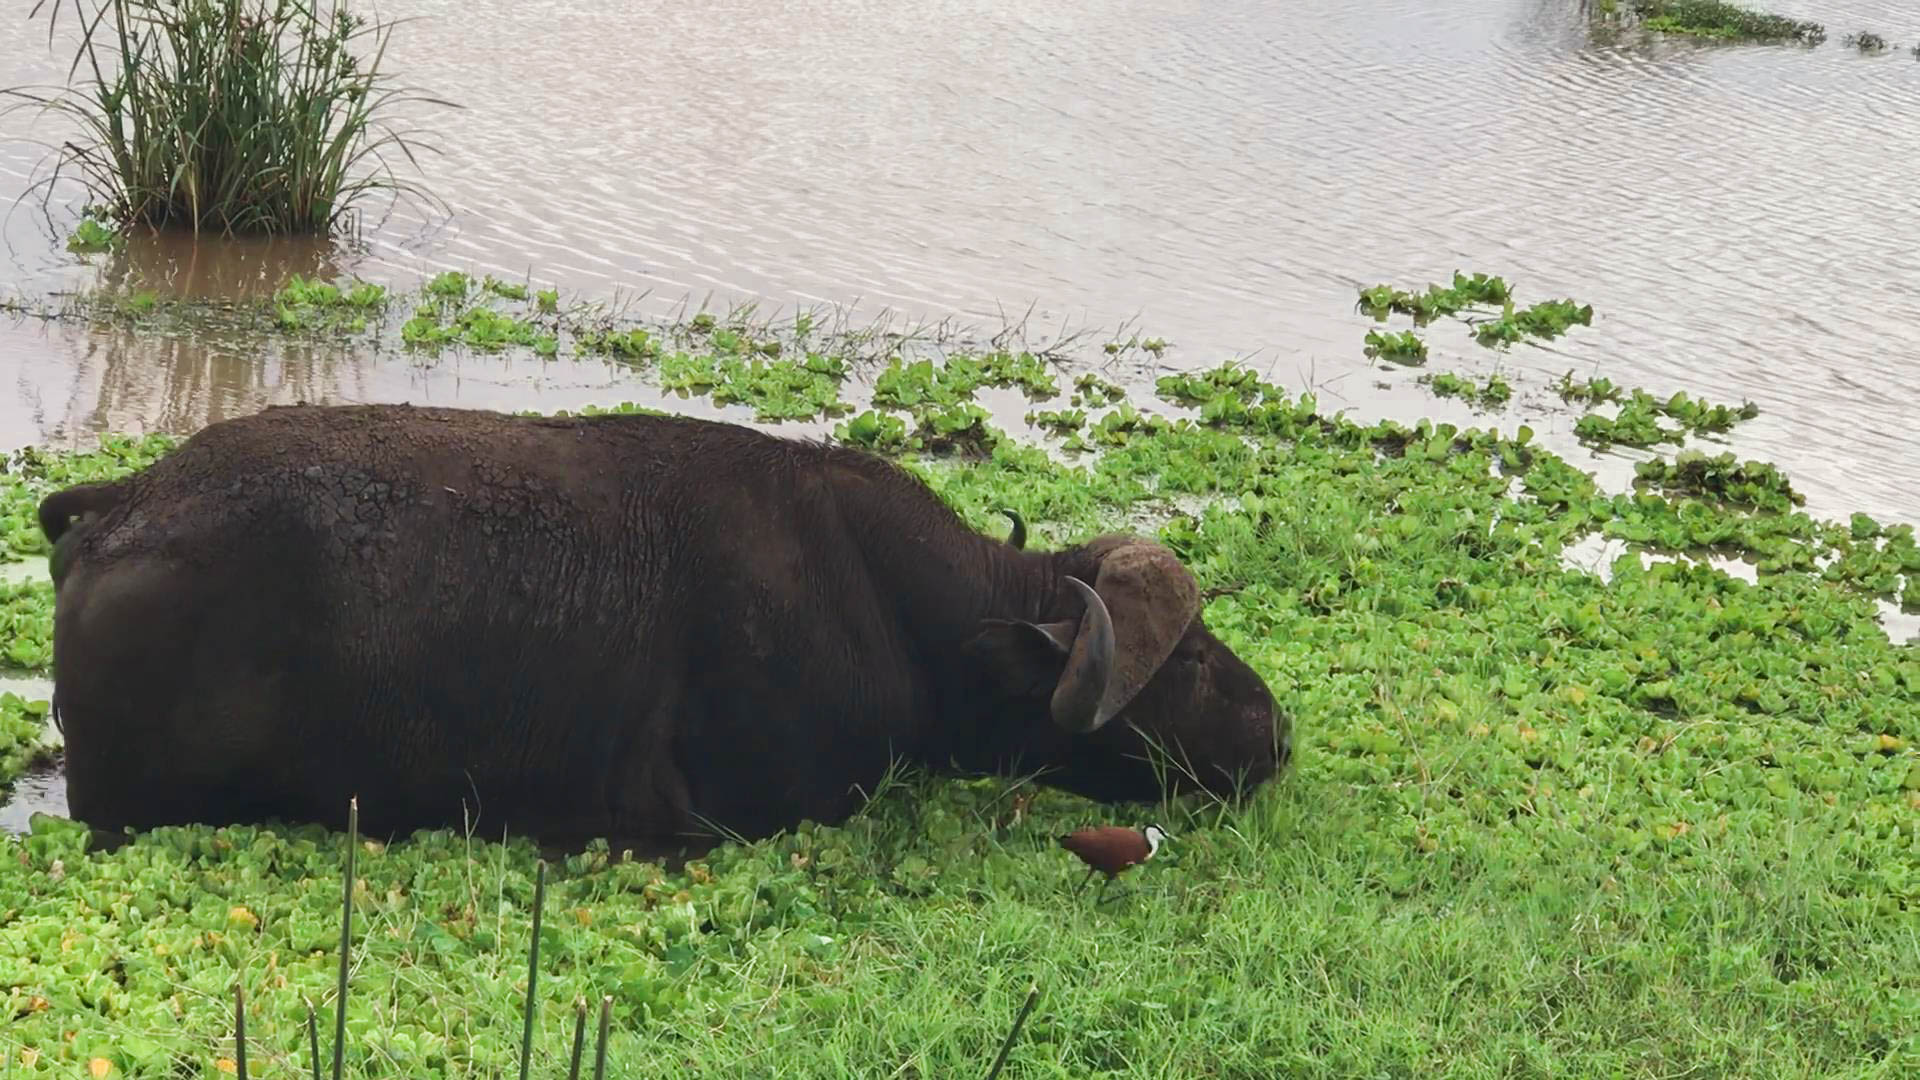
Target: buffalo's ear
{"points": [[1025, 658]]}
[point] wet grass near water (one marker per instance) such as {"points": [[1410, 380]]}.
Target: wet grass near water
{"points": [[1649, 821]]}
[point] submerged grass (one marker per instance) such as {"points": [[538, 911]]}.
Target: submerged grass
{"points": [[242, 116], [1656, 821]]}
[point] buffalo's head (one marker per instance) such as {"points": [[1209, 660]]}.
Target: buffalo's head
{"points": [[1138, 695]]}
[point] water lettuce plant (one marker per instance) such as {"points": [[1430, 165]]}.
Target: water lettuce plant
{"points": [[1492, 392], [241, 116], [1541, 808], [23, 742], [1404, 347], [1463, 299], [1637, 422]]}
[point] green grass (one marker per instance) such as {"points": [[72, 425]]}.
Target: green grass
{"points": [[1657, 822], [241, 116]]}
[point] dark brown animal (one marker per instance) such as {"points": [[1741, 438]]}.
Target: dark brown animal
{"points": [[625, 626]]}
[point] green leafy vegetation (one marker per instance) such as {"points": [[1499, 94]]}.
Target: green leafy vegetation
{"points": [[27, 475], [1492, 392], [243, 116], [1438, 300], [453, 309], [1156, 346], [92, 236], [912, 385], [1750, 483], [26, 625], [1718, 19], [1546, 320], [1637, 423], [305, 304], [1596, 391], [23, 745], [1404, 347], [1653, 820], [1091, 390], [1059, 421]]}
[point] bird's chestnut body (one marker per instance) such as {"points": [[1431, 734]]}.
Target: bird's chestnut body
{"points": [[1110, 849]]}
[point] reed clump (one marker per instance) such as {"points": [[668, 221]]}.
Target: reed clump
{"points": [[237, 116]]}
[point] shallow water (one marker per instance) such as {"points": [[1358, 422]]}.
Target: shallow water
{"points": [[1223, 174]]}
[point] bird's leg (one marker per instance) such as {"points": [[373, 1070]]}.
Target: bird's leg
{"points": [[1083, 881], [1102, 891]]}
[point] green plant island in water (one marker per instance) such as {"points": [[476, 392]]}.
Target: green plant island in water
{"points": [[236, 116], [1653, 820]]}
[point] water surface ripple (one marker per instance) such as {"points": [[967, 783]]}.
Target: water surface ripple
{"points": [[1223, 174]]}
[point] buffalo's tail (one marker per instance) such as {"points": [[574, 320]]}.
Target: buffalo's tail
{"points": [[58, 510], [62, 511]]}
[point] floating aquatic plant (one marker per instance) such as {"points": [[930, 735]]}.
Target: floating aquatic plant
{"points": [[1492, 392], [1508, 762]]}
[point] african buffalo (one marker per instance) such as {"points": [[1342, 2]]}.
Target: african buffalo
{"points": [[621, 626]]}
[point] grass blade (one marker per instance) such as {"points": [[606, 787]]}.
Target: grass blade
{"points": [[533, 966], [579, 1037], [600, 1044], [1006, 1045], [313, 1041], [239, 1031], [346, 937]]}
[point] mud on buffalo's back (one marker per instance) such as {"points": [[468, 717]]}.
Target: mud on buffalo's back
{"points": [[349, 478]]}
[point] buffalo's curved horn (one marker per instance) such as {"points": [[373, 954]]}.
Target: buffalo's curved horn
{"points": [[1081, 693], [1017, 537], [1141, 604]]}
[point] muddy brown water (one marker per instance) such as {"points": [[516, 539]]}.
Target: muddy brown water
{"points": [[1223, 174]]}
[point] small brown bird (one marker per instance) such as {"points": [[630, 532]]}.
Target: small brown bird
{"points": [[1109, 849]]}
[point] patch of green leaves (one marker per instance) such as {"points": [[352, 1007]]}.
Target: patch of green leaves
{"points": [[26, 625], [1437, 301], [1596, 391], [908, 386], [874, 430], [93, 236], [1404, 347], [1749, 483], [1491, 392], [1092, 391], [23, 738], [307, 304], [1725, 21], [29, 475], [1547, 319], [1637, 423]]}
